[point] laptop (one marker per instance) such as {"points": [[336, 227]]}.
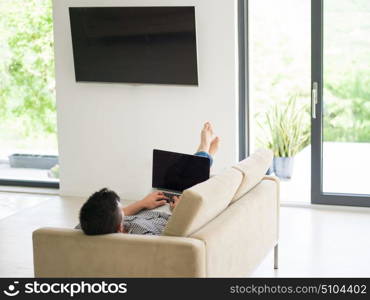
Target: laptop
{"points": [[175, 172]]}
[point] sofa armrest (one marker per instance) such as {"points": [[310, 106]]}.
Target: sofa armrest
{"points": [[242, 235], [271, 177], [70, 253], [277, 182]]}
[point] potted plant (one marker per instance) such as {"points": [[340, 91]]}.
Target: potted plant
{"points": [[288, 134]]}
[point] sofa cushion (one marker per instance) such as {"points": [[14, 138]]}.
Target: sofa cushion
{"points": [[203, 202], [253, 169]]}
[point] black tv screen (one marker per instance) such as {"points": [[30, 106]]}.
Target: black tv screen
{"points": [[134, 44]]}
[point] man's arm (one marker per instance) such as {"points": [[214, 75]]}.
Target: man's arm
{"points": [[151, 201]]}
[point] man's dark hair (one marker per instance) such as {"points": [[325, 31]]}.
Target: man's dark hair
{"points": [[100, 213]]}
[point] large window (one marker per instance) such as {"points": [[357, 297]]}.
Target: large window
{"points": [[28, 142]]}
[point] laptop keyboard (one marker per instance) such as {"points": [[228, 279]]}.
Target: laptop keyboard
{"points": [[170, 195]]}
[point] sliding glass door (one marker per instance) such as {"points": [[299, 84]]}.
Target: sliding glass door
{"points": [[340, 108]]}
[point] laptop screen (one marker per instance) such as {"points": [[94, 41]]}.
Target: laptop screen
{"points": [[177, 171]]}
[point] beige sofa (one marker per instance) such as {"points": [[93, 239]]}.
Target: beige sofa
{"points": [[223, 227]]}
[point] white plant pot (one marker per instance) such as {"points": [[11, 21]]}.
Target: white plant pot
{"points": [[283, 167]]}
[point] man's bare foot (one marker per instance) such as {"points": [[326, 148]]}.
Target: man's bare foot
{"points": [[214, 146], [205, 137]]}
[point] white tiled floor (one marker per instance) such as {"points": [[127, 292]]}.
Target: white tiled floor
{"points": [[11, 203], [317, 241], [321, 242]]}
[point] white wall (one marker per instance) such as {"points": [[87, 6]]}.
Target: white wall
{"points": [[107, 132]]}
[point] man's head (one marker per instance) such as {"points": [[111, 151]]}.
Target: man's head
{"points": [[101, 213]]}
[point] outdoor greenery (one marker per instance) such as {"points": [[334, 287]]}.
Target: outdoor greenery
{"points": [[27, 88], [347, 111], [347, 70]]}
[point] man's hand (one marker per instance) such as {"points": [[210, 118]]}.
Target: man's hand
{"points": [[154, 200], [151, 201], [175, 201]]}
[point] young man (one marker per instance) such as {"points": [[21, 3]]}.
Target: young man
{"points": [[102, 213]]}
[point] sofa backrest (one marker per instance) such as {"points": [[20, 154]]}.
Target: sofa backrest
{"points": [[62, 252], [253, 169], [203, 202]]}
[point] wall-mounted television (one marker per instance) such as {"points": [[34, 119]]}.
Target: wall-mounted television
{"points": [[134, 44]]}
